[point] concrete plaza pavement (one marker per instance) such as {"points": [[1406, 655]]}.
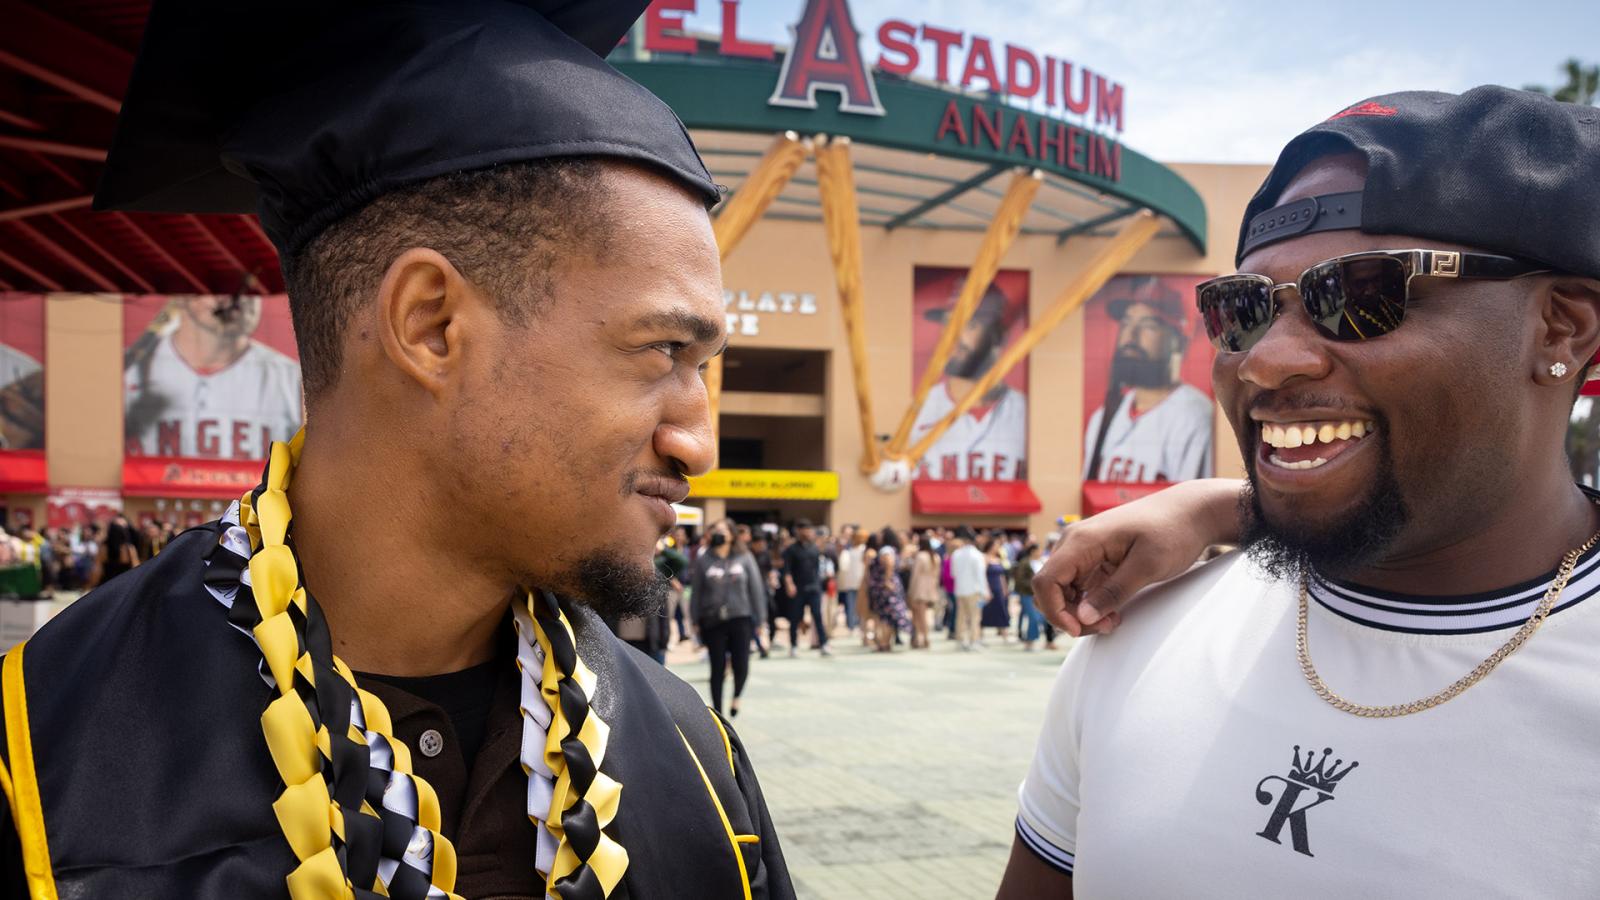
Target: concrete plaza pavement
{"points": [[892, 775]]}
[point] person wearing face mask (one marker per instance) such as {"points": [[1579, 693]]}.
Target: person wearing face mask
{"points": [[724, 601]]}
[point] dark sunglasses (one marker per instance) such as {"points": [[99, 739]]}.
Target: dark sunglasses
{"points": [[1355, 297]]}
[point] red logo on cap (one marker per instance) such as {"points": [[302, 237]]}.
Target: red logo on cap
{"points": [[1368, 108]]}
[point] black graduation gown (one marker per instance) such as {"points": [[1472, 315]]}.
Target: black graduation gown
{"points": [[144, 706]]}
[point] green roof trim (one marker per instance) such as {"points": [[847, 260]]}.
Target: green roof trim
{"points": [[718, 94]]}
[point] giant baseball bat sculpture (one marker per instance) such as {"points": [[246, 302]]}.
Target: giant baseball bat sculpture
{"points": [[842, 220]]}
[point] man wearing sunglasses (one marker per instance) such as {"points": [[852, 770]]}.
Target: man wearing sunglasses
{"points": [[1393, 691]]}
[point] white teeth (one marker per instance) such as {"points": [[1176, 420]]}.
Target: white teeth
{"points": [[1302, 464], [1298, 435]]}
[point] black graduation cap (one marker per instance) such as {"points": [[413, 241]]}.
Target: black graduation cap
{"points": [[305, 110]]}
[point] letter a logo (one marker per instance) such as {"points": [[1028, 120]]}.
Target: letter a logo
{"points": [[826, 55]]}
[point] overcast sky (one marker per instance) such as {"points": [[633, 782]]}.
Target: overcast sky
{"points": [[1233, 81]]}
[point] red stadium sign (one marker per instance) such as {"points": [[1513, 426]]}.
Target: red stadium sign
{"points": [[827, 56]]}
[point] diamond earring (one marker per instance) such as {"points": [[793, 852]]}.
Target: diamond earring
{"points": [[1558, 369]]}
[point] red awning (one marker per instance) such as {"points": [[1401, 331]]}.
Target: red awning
{"points": [[23, 472], [973, 498], [1099, 496], [204, 479]]}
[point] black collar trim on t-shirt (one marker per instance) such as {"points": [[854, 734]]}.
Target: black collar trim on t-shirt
{"points": [[1464, 614]]}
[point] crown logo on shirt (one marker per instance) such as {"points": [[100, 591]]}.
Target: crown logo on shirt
{"points": [[1317, 774]]}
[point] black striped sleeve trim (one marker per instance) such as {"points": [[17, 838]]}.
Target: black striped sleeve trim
{"points": [[1052, 856]]}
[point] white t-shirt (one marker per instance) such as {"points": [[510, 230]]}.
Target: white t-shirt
{"points": [[1166, 767], [1171, 441], [234, 413], [991, 445], [970, 571], [852, 567]]}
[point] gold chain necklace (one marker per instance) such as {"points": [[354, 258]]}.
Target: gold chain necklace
{"points": [[1512, 644]]}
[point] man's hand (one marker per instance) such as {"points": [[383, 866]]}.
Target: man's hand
{"points": [[1101, 562]]}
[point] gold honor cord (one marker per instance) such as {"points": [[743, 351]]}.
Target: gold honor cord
{"points": [[355, 836], [359, 836], [588, 863]]}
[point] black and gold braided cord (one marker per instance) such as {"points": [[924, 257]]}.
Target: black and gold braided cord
{"points": [[361, 824], [589, 863]]}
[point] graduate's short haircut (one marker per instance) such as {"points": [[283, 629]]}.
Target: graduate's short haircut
{"points": [[504, 228]]}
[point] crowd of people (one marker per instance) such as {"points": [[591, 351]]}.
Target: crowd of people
{"points": [[733, 585], [35, 562]]}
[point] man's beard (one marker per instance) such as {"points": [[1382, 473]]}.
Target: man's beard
{"points": [[615, 588], [971, 363], [1130, 367], [1287, 551]]}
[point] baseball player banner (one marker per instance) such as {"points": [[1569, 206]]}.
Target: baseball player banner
{"points": [[210, 377], [1148, 412], [21, 371], [990, 441]]}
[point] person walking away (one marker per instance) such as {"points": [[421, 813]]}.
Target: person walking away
{"points": [[759, 611], [1029, 622], [924, 592], [803, 576], [947, 586], [761, 549], [886, 598], [997, 612], [723, 596], [117, 552], [826, 568], [852, 568], [971, 586]]}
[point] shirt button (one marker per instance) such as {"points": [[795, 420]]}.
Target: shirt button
{"points": [[431, 743]]}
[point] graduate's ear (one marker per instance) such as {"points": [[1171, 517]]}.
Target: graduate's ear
{"points": [[422, 304], [1571, 318]]}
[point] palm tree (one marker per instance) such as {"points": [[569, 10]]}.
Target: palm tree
{"points": [[1582, 87]]}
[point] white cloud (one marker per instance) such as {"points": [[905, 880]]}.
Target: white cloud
{"points": [[1230, 114]]}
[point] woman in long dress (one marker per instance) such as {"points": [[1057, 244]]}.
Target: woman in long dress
{"points": [[997, 612], [887, 599], [924, 591]]}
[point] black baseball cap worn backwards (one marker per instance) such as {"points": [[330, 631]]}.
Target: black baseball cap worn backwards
{"points": [[306, 110], [1507, 171]]}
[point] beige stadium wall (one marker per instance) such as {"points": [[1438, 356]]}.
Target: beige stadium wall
{"points": [[83, 390], [793, 256]]}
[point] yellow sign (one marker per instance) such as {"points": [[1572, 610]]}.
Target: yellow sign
{"points": [[766, 484]]}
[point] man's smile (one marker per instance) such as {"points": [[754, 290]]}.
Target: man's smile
{"points": [[1311, 444], [1310, 448]]}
